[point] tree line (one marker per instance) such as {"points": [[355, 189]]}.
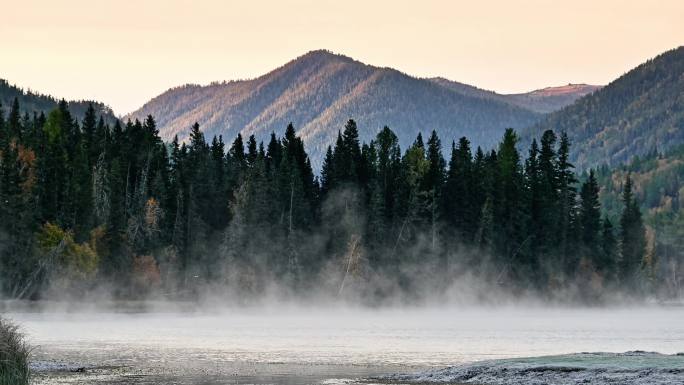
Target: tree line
{"points": [[87, 205]]}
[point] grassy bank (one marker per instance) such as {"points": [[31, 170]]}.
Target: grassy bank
{"points": [[14, 354]]}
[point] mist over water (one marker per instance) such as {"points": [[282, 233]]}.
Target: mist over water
{"points": [[312, 344]]}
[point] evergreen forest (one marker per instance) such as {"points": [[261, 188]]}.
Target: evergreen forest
{"points": [[90, 206]]}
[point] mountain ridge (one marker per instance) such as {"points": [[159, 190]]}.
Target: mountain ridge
{"points": [[543, 100], [34, 102], [319, 91], [635, 114]]}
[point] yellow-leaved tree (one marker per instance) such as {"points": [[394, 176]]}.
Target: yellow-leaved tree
{"points": [[70, 262]]}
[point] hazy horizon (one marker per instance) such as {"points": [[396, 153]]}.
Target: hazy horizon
{"points": [[123, 54]]}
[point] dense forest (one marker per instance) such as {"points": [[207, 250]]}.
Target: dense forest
{"points": [[659, 181], [88, 206]]}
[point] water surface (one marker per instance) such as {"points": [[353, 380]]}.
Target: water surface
{"points": [[305, 346]]}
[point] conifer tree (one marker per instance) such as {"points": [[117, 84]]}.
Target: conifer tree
{"points": [[566, 203], [252, 152], [632, 239], [388, 173], [238, 160], [509, 214], [461, 210], [327, 172], [348, 155], [590, 219], [607, 265], [14, 128], [535, 189], [89, 128]]}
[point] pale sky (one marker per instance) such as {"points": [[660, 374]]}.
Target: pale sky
{"points": [[125, 52]]}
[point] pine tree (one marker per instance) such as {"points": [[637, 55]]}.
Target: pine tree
{"points": [[252, 152], [434, 178], [327, 172], [53, 166], [238, 160], [461, 211], [607, 264], [89, 128], [433, 183], [590, 220], [274, 153], [566, 204], [509, 215], [535, 189], [388, 173], [632, 240], [14, 128], [548, 195], [348, 155], [4, 134]]}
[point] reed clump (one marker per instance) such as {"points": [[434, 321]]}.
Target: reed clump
{"points": [[14, 355]]}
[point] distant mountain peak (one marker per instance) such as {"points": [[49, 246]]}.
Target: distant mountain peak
{"points": [[319, 91], [570, 88], [544, 100], [324, 55]]}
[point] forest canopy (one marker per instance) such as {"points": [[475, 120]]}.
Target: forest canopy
{"points": [[86, 205]]}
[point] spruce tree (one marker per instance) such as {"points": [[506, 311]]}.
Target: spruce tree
{"points": [[14, 128], [608, 262], [89, 128], [388, 173], [590, 220], [632, 240], [535, 202], [327, 172], [461, 210], [548, 195], [509, 214], [566, 204], [252, 152]]}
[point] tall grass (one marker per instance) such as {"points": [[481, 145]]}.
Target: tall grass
{"points": [[14, 355]]}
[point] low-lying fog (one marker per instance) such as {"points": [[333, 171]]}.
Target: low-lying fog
{"points": [[224, 342]]}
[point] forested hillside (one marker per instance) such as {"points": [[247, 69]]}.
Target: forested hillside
{"points": [[638, 113], [32, 102], [659, 187], [91, 207], [319, 92]]}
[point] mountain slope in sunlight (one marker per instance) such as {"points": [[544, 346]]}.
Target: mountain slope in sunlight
{"points": [[319, 92]]}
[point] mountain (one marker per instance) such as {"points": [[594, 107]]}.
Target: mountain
{"points": [[543, 101], [641, 111], [31, 102], [319, 92]]}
